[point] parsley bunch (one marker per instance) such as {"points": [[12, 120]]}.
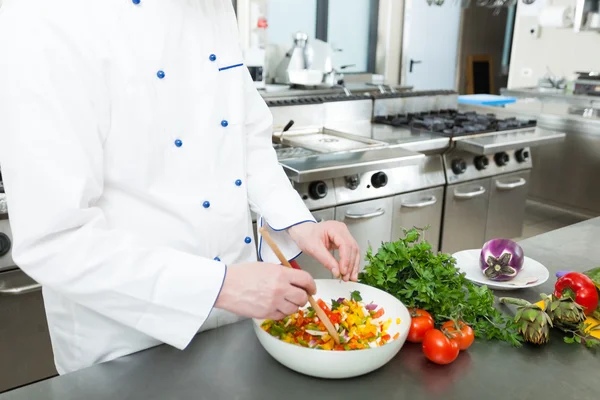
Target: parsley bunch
{"points": [[410, 271]]}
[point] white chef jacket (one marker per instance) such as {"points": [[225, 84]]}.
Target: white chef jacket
{"points": [[133, 145]]}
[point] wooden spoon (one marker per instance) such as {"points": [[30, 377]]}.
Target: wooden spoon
{"points": [[318, 310]]}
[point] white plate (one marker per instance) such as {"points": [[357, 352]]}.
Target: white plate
{"points": [[341, 364], [467, 261]]}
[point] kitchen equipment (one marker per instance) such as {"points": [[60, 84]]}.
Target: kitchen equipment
{"points": [[587, 83], [341, 364], [296, 66], [319, 311], [531, 275], [25, 348], [487, 167]]}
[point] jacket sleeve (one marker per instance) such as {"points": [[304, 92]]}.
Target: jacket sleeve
{"points": [[270, 192], [54, 116]]}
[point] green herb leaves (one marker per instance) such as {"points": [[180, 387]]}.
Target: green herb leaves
{"points": [[356, 296], [411, 272]]}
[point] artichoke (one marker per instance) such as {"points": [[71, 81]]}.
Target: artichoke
{"points": [[565, 313], [532, 320]]}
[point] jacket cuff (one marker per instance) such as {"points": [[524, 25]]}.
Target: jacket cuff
{"points": [[183, 299], [282, 238]]}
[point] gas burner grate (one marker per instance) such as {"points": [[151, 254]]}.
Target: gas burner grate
{"points": [[451, 123]]}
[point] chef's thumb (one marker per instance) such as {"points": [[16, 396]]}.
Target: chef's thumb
{"points": [[328, 260]]}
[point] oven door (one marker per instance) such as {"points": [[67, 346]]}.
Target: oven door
{"points": [[309, 264], [419, 209], [506, 212], [465, 215], [370, 222], [25, 348]]}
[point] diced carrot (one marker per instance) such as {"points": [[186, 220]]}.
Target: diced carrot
{"points": [[379, 313], [397, 335]]}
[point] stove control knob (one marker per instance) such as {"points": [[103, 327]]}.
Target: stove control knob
{"points": [[317, 190], [501, 159], [4, 244], [459, 166], [481, 162], [522, 155], [352, 182], [379, 179]]}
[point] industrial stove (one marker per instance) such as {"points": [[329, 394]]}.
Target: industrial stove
{"points": [[487, 167]]}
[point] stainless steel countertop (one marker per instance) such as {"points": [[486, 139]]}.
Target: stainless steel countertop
{"points": [[274, 91], [553, 116], [552, 95], [395, 137], [229, 362]]}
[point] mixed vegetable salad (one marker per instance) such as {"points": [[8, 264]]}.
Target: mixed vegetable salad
{"points": [[360, 326]]}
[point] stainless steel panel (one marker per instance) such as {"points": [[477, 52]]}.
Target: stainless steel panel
{"points": [[347, 111], [427, 173], [315, 204], [506, 211], [566, 174], [325, 166], [309, 264], [505, 141], [370, 222], [492, 169], [465, 216], [24, 339], [309, 115], [419, 209]]}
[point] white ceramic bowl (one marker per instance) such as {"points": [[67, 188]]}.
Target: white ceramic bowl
{"points": [[341, 364]]}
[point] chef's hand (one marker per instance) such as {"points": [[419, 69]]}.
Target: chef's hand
{"points": [[317, 239], [265, 291]]}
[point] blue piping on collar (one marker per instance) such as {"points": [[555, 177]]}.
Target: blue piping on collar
{"points": [[278, 230], [230, 66]]}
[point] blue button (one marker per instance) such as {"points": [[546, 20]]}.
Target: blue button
{"points": [[217, 259], [238, 182], [136, 2], [178, 143], [206, 204], [224, 123], [212, 58], [248, 240], [160, 74]]}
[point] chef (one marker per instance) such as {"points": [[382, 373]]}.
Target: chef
{"points": [[133, 147]]}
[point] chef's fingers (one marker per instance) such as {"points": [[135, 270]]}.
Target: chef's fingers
{"points": [[276, 316], [344, 246], [350, 270], [296, 296], [286, 308], [302, 279], [356, 267], [322, 255]]}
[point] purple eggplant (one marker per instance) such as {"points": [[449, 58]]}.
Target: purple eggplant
{"points": [[501, 259]]}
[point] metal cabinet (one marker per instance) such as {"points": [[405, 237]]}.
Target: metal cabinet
{"points": [[25, 348], [309, 264], [419, 209], [465, 215], [369, 222], [506, 212]]}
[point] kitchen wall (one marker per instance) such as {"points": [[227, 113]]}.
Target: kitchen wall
{"points": [[561, 50], [482, 32]]}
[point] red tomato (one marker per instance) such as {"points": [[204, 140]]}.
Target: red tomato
{"points": [[439, 348], [421, 323], [461, 333]]}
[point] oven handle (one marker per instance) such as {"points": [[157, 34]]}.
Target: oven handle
{"points": [[425, 203], [469, 195], [15, 291], [511, 185], [376, 213]]}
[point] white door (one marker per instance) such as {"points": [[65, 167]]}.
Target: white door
{"points": [[430, 44]]}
